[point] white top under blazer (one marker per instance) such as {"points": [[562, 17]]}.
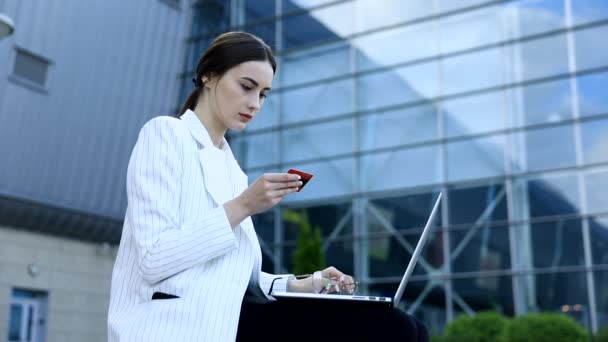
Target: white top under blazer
{"points": [[177, 239]]}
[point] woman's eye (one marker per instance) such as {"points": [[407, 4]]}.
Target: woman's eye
{"points": [[246, 88], [263, 96]]}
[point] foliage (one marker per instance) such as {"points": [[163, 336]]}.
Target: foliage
{"points": [[484, 326], [542, 327], [308, 256]]}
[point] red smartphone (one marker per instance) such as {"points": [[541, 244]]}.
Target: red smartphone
{"points": [[304, 177]]}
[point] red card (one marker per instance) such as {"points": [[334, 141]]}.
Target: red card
{"points": [[304, 177]]}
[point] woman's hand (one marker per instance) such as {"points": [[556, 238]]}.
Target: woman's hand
{"points": [[324, 282], [263, 194]]}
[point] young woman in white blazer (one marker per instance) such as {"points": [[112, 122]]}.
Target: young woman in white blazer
{"points": [[189, 251]]}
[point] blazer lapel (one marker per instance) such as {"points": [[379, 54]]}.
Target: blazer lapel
{"points": [[212, 160]]}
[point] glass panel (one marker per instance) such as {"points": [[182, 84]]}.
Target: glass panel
{"points": [[195, 52], [553, 195], [596, 184], [257, 149], [398, 127], [400, 169], [15, 321], [473, 29], [314, 64], [331, 178], [389, 255], [547, 102], [598, 231], [480, 248], [483, 294], [378, 50], [543, 57], [476, 158], [585, 11], [595, 141], [475, 114], [590, 54], [549, 148], [479, 204], [592, 94], [258, 9], [331, 219], [264, 226], [401, 213], [265, 30], [370, 16], [553, 292], [601, 297], [473, 71], [535, 16], [294, 5], [322, 25], [398, 86], [317, 141], [338, 254], [268, 116], [318, 101], [557, 243], [210, 17], [451, 5]]}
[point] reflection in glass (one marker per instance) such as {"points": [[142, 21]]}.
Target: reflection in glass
{"points": [[398, 127], [317, 141], [590, 54], [318, 101], [531, 17], [378, 50], [596, 183], [318, 26], [557, 243], [259, 9], [478, 205], [549, 148], [601, 296], [470, 29], [316, 63], [475, 158], [483, 294], [473, 71], [592, 94], [547, 102], [586, 11], [265, 30], [401, 213], [370, 16], [332, 220], [598, 231], [561, 292], [398, 86], [452, 5], [553, 195], [480, 248], [332, 178], [542, 57], [264, 226], [256, 150], [337, 254], [399, 169], [595, 141], [475, 114]]}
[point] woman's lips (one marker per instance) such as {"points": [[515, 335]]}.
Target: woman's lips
{"points": [[245, 117]]}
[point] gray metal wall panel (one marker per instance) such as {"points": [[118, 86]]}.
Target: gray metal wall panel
{"points": [[115, 64]]}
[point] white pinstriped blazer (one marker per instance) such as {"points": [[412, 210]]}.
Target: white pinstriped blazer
{"points": [[177, 239]]}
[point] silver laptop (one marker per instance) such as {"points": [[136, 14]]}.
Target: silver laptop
{"points": [[386, 301]]}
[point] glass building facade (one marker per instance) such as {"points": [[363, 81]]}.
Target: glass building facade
{"points": [[502, 105]]}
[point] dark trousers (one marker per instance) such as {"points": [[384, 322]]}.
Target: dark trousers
{"points": [[326, 321]]}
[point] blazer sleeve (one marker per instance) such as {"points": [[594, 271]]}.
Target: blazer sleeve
{"points": [[165, 246], [280, 283]]}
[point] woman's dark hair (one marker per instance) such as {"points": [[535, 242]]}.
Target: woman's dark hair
{"points": [[228, 50]]}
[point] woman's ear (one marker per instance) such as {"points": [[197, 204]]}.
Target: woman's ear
{"points": [[208, 81]]}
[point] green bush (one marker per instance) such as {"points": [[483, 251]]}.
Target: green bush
{"points": [[540, 327], [485, 326]]}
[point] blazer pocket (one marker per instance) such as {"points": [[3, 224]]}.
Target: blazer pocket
{"points": [[162, 295]]}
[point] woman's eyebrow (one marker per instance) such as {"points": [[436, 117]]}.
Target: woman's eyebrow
{"points": [[254, 82]]}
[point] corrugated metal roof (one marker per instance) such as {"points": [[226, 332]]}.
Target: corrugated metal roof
{"points": [[114, 64]]}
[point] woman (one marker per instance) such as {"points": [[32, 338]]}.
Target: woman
{"points": [[189, 250]]}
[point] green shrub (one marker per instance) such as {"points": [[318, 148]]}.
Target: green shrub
{"points": [[485, 326], [540, 327]]}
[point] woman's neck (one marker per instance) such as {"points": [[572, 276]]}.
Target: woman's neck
{"points": [[213, 125]]}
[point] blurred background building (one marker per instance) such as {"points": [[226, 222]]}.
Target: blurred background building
{"points": [[502, 105]]}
